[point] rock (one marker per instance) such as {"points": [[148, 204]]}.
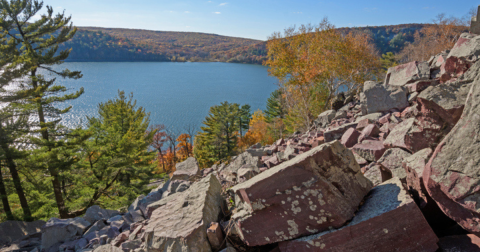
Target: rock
{"points": [[215, 236], [412, 97], [350, 138], [337, 133], [187, 170], [120, 238], [243, 159], [413, 166], [407, 73], [389, 220], [246, 173], [56, 230], [107, 248], [115, 218], [392, 160], [179, 222], [373, 117], [415, 134], [377, 174], [451, 176], [370, 130], [11, 231], [447, 99], [95, 213], [419, 86], [99, 225], [364, 123], [131, 245], [80, 244], [377, 97], [325, 118], [340, 115], [310, 193], [370, 150], [467, 45], [360, 160], [459, 243]]}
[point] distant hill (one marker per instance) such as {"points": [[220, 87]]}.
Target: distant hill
{"points": [[115, 44]]}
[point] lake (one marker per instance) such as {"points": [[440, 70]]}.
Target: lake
{"points": [[175, 94]]}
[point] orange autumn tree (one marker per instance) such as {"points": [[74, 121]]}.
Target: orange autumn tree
{"points": [[433, 39], [184, 148], [313, 63], [258, 131]]}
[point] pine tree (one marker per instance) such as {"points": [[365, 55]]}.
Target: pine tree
{"points": [[32, 46], [275, 106], [244, 119], [117, 160]]}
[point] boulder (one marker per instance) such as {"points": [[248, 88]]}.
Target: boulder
{"points": [[337, 133], [243, 159], [415, 134], [392, 160], [187, 170], [325, 118], [107, 248], [407, 73], [459, 243], [467, 46], [377, 174], [447, 99], [451, 176], [95, 213], [246, 173], [369, 131], [389, 220], [419, 86], [313, 192], [215, 236], [414, 166], [350, 138], [99, 225], [373, 117], [180, 221], [11, 231], [56, 230], [377, 97], [370, 150]]}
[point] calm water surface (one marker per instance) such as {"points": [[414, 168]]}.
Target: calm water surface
{"points": [[175, 94]]}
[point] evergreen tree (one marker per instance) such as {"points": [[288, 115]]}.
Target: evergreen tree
{"points": [[275, 106], [244, 119], [388, 60], [31, 46], [117, 160]]}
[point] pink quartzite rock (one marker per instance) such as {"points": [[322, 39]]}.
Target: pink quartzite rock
{"points": [[392, 160], [378, 174], [388, 221], [311, 193], [180, 221], [467, 45], [337, 133], [413, 166], [451, 176], [459, 243], [419, 86], [363, 123], [371, 130], [186, 170], [370, 150], [454, 67], [407, 73], [415, 134], [350, 138]]}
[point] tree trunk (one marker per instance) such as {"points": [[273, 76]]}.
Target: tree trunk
{"points": [[57, 188], [4, 196]]}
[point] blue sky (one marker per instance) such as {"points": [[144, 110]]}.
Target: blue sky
{"points": [[255, 19]]}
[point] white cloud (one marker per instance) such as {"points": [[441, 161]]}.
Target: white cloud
{"points": [[222, 4], [209, 2], [217, 12], [298, 12], [187, 26]]}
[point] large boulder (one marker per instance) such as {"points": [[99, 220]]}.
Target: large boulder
{"points": [[451, 176], [107, 248], [414, 166], [370, 150], [56, 230], [377, 97], [180, 221], [392, 160], [459, 243], [325, 118], [11, 231], [467, 46], [337, 133], [96, 213], [315, 191], [407, 73], [186, 170], [389, 220], [240, 161]]}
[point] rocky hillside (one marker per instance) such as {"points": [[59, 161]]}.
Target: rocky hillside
{"points": [[394, 168]]}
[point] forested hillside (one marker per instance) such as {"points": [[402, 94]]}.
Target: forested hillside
{"points": [[112, 44]]}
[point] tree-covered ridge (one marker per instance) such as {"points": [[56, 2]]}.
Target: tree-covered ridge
{"points": [[115, 44], [108, 44]]}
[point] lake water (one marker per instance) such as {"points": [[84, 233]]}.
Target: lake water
{"points": [[175, 94]]}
